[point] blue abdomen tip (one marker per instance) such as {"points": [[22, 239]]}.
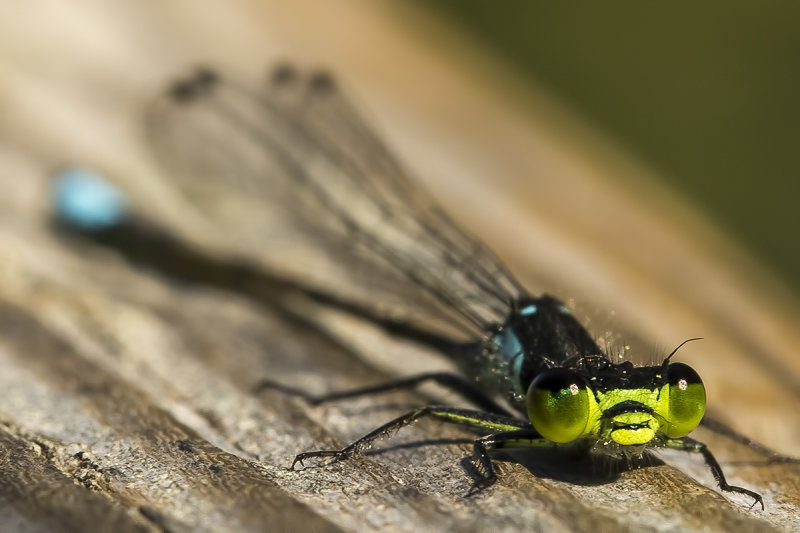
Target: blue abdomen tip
{"points": [[85, 200]]}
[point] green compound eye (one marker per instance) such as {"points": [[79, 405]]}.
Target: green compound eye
{"points": [[687, 400], [558, 405]]}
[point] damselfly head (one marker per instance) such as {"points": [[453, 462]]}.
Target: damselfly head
{"points": [[563, 406]]}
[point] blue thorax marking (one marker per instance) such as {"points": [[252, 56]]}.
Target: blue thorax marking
{"points": [[510, 350]]}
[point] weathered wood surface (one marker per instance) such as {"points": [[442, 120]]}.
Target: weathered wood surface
{"points": [[127, 398]]}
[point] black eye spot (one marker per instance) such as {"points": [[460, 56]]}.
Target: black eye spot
{"points": [[681, 375], [559, 379]]}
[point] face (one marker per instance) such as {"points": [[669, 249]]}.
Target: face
{"points": [[563, 407]]}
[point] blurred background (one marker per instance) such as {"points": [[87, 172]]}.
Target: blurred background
{"points": [[637, 160], [706, 97]]}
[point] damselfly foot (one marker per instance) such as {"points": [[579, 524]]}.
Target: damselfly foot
{"points": [[338, 455]]}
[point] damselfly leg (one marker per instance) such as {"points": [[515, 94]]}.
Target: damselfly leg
{"points": [[506, 430], [448, 380], [688, 444]]}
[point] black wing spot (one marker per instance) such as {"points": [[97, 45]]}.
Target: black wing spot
{"points": [[199, 85], [283, 74], [322, 82]]}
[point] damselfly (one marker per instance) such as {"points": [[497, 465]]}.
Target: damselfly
{"points": [[300, 140]]}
